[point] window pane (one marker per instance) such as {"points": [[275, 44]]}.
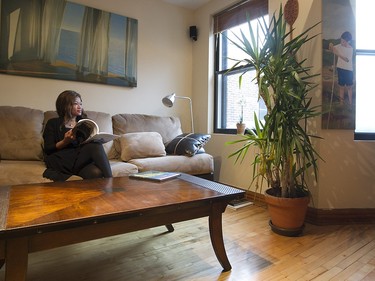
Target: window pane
{"points": [[230, 53], [364, 13], [365, 58], [365, 99], [245, 98]]}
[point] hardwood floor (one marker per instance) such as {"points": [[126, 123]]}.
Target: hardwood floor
{"points": [[255, 252]]}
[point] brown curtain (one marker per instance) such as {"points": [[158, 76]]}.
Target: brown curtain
{"points": [[239, 14]]}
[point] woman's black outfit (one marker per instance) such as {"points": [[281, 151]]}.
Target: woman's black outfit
{"points": [[87, 160]]}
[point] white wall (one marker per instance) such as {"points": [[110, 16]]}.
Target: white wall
{"points": [[346, 178], [164, 66]]}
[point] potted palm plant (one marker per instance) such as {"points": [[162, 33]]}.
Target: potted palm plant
{"points": [[285, 151]]}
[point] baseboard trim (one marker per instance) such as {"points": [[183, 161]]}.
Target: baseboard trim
{"points": [[328, 217], [340, 216]]}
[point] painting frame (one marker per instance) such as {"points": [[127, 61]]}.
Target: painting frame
{"points": [[68, 41]]}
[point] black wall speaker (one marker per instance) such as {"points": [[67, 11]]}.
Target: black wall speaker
{"points": [[193, 32]]}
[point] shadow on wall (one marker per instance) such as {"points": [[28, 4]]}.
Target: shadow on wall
{"points": [[347, 176], [217, 167]]}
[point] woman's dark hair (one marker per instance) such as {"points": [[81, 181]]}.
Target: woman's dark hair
{"points": [[64, 104]]}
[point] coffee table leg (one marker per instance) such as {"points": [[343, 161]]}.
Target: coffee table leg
{"points": [[169, 227], [216, 234], [16, 259], [2, 253]]}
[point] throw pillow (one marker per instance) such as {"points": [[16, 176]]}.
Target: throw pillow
{"points": [[141, 145], [187, 144]]}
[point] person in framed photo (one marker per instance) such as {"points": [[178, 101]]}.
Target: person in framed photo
{"points": [[344, 66]]}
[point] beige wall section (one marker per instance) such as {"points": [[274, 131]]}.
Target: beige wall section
{"points": [[346, 178], [164, 66], [168, 61]]}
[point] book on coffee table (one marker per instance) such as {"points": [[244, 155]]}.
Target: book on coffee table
{"points": [[155, 175]]}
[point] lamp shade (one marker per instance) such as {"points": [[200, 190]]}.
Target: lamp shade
{"points": [[169, 100]]}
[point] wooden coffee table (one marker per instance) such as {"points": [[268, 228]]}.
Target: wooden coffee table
{"points": [[38, 217]]}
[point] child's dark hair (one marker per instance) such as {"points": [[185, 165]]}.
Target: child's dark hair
{"points": [[346, 36]]}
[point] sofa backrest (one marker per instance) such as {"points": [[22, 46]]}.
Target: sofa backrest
{"points": [[21, 133], [21, 130], [167, 127]]}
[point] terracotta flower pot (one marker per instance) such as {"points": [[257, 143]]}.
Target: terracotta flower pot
{"points": [[241, 127], [287, 214]]}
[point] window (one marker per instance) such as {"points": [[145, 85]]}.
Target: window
{"points": [[233, 103], [365, 60]]}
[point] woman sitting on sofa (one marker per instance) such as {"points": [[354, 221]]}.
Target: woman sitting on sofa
{"points": [[64, 156]]}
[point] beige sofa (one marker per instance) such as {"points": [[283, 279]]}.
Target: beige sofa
{"points": [[141, 146]]}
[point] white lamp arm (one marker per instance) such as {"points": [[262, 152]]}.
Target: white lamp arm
{"points": [[191, 110]]}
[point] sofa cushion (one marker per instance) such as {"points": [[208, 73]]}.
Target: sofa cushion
{"points": [[141, 145], [26, 172], [187, 144], [21, 133], [167, 127], [199, 164], [121, 169], [21, 172]]}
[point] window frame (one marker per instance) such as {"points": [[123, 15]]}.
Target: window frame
{"points": [[231, 17], [220, 92], [361, 134]]}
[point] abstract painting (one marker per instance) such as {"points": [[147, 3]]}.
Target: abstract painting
{"points": [[63, 40]]}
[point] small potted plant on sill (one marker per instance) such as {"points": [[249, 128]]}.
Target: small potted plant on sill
{"points": [[241, 127], [285, 150]]}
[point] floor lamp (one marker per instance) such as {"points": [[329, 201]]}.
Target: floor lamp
{"points": [[169, 100]]}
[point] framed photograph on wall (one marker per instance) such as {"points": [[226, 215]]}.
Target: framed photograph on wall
{"points": [[338, 66], [64, 40]]}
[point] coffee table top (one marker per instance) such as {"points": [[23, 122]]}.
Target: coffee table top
{"points": [[34, 206]]}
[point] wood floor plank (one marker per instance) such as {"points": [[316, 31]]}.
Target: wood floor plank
{"points": [[370, 276], [329, 274], [362, 272], [363, 249], [315, 273], [348, 272], [255, 252]]}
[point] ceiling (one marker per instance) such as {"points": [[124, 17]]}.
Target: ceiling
{"points": [[188, 4]]}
